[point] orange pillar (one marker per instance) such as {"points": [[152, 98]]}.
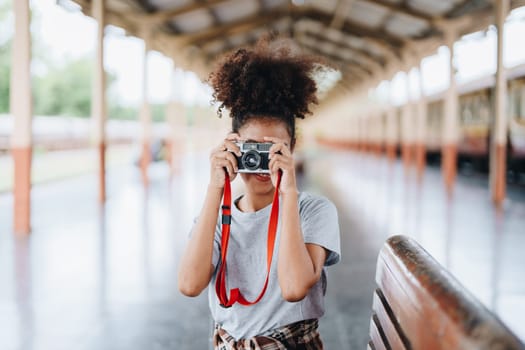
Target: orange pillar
{"points": [[21, 110], [391, 126], [421, 124], [170, 138], [450, 132], [145, 117], [98, 107], [407, 127], [381, 132], [498, 166], [171, 116]]}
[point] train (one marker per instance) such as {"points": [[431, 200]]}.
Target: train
{"points": [[52, 133], [476, 120], [476, 110]]}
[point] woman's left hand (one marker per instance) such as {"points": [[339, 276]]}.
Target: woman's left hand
{"points": [[281, 158]]}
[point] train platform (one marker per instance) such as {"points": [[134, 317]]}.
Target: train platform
{"points": [[92, 277]]}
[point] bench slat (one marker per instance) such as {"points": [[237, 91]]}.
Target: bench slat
{"points": [[391, 328], [377, 335]]}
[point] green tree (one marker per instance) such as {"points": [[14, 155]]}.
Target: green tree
{"points": [[117, 111], [5, 74], [5, 54], [66, 89]]}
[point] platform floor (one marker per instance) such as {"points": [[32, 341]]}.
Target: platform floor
{"points": [[99, 278]]}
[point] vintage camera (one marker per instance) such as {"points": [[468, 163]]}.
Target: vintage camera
{"points": [[254, 157]]}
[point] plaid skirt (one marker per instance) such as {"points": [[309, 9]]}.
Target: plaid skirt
{"points": [[302, 335]]}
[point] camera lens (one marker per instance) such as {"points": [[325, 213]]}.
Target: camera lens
{"points": [[251, 160]]}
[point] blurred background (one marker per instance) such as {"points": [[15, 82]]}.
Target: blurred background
{"points": [[104, 155]]}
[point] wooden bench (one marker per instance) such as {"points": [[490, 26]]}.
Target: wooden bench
{"points": [[419, 305]]}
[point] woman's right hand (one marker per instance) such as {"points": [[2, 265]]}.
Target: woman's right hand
{"points": [[221, 158]]}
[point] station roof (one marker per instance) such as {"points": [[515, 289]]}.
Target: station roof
{"points": [[368, 40]]}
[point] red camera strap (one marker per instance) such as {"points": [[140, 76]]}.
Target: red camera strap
{"points": [[220, 282]]}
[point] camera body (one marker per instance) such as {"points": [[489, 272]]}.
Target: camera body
{"points": [[254, 157]]}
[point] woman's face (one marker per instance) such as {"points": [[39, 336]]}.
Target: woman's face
{"points": [[255, 130]]}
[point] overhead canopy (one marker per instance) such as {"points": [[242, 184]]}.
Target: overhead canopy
{"points": [[367, 40]]}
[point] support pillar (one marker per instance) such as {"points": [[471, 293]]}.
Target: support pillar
{"points": [[145, 118], [391, 134], [498, 166], [98, 107], [169, 142], [391, 126], [450, 132], [421, 124], [369, 132], [359, 133], [171, 115], [407, 128], [381, 132], [21, 110]]}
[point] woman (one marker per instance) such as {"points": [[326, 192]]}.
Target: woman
{"points": [[264, 89]]}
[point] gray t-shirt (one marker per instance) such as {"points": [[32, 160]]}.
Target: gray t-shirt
{"points": [[246, 261]]}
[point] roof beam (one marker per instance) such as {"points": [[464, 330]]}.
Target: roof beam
{"points": [[112, 17], [209, 57], [365, 55], [166, 15], [349, 27], [146, 5], [243, 25], [341, 11], [468, 6], [516, 3], [338, 59], [403, 8], [356, 57]]}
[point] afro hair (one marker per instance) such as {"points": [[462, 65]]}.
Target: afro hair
{"points": [[268, 80]]}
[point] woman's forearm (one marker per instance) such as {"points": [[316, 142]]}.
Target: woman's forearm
{"points": [[195, 269], [297, 271]]}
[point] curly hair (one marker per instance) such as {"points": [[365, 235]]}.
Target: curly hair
{"points": [[267, 81]]}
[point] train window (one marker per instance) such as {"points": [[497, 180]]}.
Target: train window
{"points": [[435, 110], [484, 110], [514, 102], [466, 115], [521, 109]]}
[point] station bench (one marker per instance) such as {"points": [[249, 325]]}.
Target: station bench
{"points": [[419, 305]]}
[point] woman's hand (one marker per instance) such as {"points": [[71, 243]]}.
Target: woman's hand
{"points": [[281, 159], [221, 158]]}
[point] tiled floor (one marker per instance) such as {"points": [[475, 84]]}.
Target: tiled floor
{"points": [[105, 278], [481, 246]]}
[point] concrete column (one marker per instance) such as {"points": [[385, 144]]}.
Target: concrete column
{"points": [[145, 118], [391, 127], [354, 132], [450, 131], [369, 119], [361, 133], [170, 138], [407, 129], [372, 130], [21, 110], [421, 125], [498, 166], [380, 131], [98, 107], [171, 115]]}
